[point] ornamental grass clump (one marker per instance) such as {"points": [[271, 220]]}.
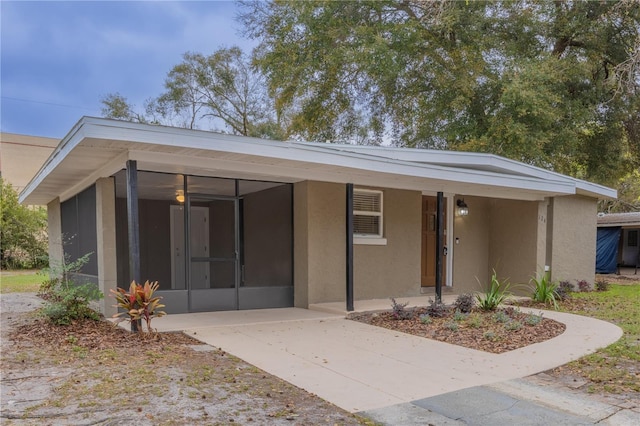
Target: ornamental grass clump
{"points": [[497, 293], [138, 303], [545, 290]]}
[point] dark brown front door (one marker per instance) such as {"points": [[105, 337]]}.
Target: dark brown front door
{"points": [[429, 235]]}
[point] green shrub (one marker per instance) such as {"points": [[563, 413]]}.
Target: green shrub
{"points": [[513, 325], [451, 325], [65, 300], [425, 319], [459, 316], [501, 316], [69, 301], [497, 293], [474, 321], [545, 290], [533, 319]]}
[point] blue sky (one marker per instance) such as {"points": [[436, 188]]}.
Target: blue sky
{"points": [[59, 58]]}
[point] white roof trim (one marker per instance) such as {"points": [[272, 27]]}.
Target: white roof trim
{"points": [[473, 160], [457, 172]]}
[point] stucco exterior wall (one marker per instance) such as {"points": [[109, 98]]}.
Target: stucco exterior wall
{"points": [[513, 244], [319, 243], [382, 271], [54, 225], [573, 238], [471, 254], [106, 247]]}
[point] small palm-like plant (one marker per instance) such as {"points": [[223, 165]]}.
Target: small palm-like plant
{"points": [[138, 303], [497, 293], [545, 291]]}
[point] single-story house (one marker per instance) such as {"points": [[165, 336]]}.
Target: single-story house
{"points": [[227, 222], [618, 243]]}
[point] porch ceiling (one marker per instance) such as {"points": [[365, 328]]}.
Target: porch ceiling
{"points": [[98, 148]]}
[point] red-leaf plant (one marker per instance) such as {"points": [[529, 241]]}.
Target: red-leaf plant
{"points": [[138, 303]]}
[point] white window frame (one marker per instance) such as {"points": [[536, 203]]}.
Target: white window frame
{"points": [[370, 239]]}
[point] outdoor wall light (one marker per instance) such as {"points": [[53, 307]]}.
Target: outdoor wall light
{"points": [[180, 196], [463, 209]]}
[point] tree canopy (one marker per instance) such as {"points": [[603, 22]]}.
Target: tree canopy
{"points": [[23, 232], [553, 84], [222, 87]]}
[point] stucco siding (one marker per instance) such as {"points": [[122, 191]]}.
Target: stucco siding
{"points": [[54, 225], [574, 238], [321, 273], [300, 245], [471, 254], [382, 271], [106, 247], [513, 243]]}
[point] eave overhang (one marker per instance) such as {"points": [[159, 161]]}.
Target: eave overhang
{"points": [[97, 147]]}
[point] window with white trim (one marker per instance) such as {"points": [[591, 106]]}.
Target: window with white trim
{"points": [[367, 213]]}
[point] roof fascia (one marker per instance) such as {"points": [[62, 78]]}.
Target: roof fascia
{"points": [[66, 145], [475, 159], [144, 134]]}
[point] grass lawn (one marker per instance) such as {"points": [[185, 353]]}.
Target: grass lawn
{"points": [[616, 368], [20, 281]]}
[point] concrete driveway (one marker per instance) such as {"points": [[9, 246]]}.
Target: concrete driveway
{"points": [[359, 367]]}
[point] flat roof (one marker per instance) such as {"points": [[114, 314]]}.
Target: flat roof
{"points": [[629, 220], [99, 147]]}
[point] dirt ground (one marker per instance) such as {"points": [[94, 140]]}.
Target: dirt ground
{"points": [[95, 374], [92, 373]]}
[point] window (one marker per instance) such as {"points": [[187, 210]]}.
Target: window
{"points": [[367, 215], [632, 239]]}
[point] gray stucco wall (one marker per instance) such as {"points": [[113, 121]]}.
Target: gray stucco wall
{"points": [[513, 247], [319, 243], [381, 271], [471, 255], [573, 236]]}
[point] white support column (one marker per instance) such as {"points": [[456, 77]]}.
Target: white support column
{"points": [[106, 233]]}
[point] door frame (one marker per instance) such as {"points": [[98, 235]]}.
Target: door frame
{"points": [[448, 241], [236, 269]]}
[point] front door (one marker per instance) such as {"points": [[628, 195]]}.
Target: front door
{"points": [[429, 236]]}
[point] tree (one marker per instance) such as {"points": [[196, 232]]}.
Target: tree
{"points": [[535, 81], [116, 106], [222, 87], [23, 232]]}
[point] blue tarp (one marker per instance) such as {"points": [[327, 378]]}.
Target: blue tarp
{"points": [[607, 250]]}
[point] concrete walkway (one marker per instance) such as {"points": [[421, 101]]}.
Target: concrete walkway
{"points": [[364, 368]]}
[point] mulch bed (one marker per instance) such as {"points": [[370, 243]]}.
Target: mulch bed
{"points": [[94, 335], [496, 332]]}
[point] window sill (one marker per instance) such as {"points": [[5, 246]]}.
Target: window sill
{"points": [[370, 241]]}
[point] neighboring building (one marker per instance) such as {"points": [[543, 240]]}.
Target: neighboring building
{"points": [[228, 222], [21, 157], [618, 242]]}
